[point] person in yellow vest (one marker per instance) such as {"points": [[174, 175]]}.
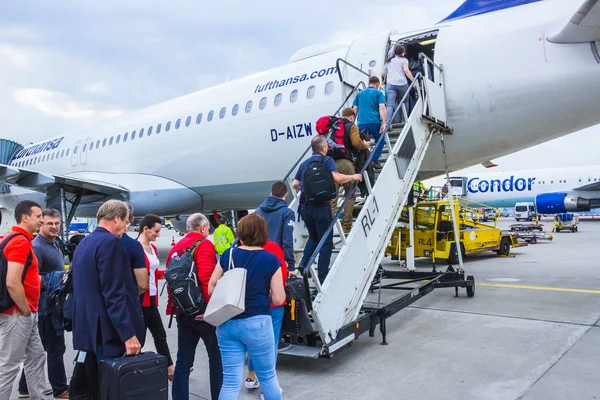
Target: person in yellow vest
{"points": [[223, 236], [419, 189]]}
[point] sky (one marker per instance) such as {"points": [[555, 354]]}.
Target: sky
{"points": [[65, 65]]}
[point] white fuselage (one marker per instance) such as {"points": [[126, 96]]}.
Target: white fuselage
{"points": [[505, 189], [507, 88]]}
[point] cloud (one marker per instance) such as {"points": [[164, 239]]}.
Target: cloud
{"points": [[97, 88], [14, 55], [60, 105]]}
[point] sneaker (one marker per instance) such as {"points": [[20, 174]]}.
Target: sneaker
{"points": [[251, 383], [63, 395], [47, 392], [262, 397]]}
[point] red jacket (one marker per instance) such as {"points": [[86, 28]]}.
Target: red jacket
{"points": [[274, 248], [159, 275], [205, 258]]}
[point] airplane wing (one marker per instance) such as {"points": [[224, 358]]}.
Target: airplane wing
{"points": [[583, 27], [595, 186], [40, 182]]}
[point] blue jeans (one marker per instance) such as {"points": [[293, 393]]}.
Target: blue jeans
{"points": [[373, 130], [277, 318], [189, 333], [255, 336], [395, 93], [317, 219]]}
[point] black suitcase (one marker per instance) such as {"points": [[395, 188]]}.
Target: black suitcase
{"points": [[134, 377]]}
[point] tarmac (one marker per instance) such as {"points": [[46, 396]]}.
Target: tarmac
{"points": [[531, 332]]}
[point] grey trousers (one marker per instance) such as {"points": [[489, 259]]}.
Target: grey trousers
{"points": [[20, 342]]}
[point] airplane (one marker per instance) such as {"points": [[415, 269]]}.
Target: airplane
{"points": [[516, 73], [555, 190]]}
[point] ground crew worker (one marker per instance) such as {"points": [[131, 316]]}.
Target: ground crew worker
{"points": [[419, 189], [223, 236]]}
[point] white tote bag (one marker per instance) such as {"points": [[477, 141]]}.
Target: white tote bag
{"points": [[229, 297]]}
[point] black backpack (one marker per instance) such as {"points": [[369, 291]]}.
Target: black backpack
{"points": [[6, 301], [62, 304], [318, 183], [182, 278]]}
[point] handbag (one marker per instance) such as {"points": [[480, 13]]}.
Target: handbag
{"points": [[229, 297]]}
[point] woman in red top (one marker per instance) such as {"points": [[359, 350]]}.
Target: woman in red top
{"points": [[276, 314], [150, 230]]}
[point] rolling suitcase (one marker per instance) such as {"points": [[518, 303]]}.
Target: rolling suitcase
{"points": [[134, 377]]}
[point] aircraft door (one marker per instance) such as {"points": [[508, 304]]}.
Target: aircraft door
{"points": [[365, 58], [84, 149], [75, 153]]}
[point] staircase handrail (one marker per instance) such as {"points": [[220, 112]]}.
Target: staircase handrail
{"points": [[361, 83], [340, 210]]}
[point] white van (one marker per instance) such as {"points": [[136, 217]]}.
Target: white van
{"points": [[525, 211]]}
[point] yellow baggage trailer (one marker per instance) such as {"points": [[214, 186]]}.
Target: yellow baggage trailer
{"points": [[434, 233]]}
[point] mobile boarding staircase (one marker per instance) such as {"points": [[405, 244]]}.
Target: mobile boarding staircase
{"points": [[322, 319]]}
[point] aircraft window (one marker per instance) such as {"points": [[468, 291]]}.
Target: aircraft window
{"points": [[168, 126], [263, 103], [188, 120], [103, 145], [158, 128], [125, 136], [97, 144], [210, 115], [310, 92], [372, 63], [222, 112], [234, 109], [110, 141], [118, 139], [551, 181], [249, 106], [294, 96], [91, 147], [75, 151], [67, 154], [198, 119], [141, 133], [329, 88], [178, 123], [149, 132], [62, 153], [277, 100], [133, 135], [84, 147]]}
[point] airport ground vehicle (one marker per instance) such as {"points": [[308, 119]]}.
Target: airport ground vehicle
{"points": [[434, 236], [566, 221], [525, 211], [531, 233]]}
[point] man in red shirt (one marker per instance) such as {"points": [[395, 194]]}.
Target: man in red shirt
{"points": [[19, 336], [189, 329]]}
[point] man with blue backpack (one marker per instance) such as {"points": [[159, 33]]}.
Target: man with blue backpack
{"points": [[316, 178]]}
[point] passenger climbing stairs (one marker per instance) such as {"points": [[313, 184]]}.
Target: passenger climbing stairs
{"points": [[337, 306]]}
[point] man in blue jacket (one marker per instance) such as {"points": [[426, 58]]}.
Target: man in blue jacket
{"points": [[108, 319], [280, 221]]}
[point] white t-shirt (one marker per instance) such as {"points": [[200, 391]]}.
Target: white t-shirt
{"points": [[154, 263], [395, 72]]}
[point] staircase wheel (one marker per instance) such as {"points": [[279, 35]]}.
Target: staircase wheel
{"points": [[471, 289]]}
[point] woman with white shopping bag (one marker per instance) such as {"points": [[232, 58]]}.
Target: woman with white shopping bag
{"points": [[245, 281]]}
